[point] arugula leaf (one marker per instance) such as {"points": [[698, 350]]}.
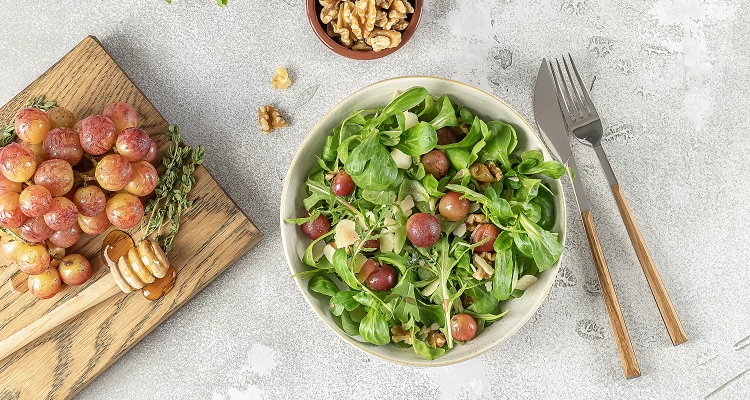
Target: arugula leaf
{"points": [[445, 266], [407, 307], [308, 257], [418, 140], [487, 317], [365, 298], [546, 248], [379, 197], [446, 116], [319, 191], [323, 285], [374, 327], [422, 349], [341, 266], [343, 300]]}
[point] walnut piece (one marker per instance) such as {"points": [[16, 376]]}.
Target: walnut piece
{"points": [[435, 339], [281, 79], [488, 256], [496, 171], [474, 220], [366, 25], [270, 119], [400, 334], [383, 39]]}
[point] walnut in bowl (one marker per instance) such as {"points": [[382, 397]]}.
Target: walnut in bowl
{"points": [[364, 29]]}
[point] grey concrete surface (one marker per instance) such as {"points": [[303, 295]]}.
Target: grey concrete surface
{"points": [[671, 85]]}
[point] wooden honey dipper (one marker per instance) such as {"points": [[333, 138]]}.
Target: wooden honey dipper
{"points": [[136, 267]]}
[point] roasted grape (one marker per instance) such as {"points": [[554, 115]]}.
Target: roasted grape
{"points": [[97, 134], [367, 269], [124, 210], [62, 215], [63, 143], [33, 259], [75, 269], [383, 279], [343, 184], [453, 207], [32, 125], [123, 115], [11, 215], [463, 327], [144, 179], [423, 230], [35, 230], [113, 172], [46, 284], [489, 231], [17, 162], [371, 245], [66, 237], [90, 200], [133, 144], [61, 117], [435, 163], [449, 135], [35, 200], [317, 227], [7, 185], [94, 225], [152, 150], [55, 175]]}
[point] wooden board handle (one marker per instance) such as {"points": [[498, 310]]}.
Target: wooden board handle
{"points": [[624, 347], [99, 291], [668, 313]]}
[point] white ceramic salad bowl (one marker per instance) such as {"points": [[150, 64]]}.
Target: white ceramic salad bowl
{"points": [[294, 241]]}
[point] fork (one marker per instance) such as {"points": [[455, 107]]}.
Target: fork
{"points": [[583, 121]]}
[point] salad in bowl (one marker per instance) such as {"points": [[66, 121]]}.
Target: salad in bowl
{"points": [[420, 220]]}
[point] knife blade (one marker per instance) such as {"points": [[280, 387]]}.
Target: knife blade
{"points": [[554, 132]]}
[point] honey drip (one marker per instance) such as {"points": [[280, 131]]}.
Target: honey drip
{"points": [[18, 283], [116, 244], [161, 286]]}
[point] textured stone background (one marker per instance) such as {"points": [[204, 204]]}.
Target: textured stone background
{"points": [[671, 79]]}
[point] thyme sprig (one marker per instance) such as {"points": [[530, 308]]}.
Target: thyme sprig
{"points": [[8, 134], [171, 194]]}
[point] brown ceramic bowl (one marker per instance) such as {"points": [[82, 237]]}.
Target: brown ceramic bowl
{"points": [[313, 15]]}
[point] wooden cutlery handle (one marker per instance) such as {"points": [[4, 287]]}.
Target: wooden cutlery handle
{"points": [[668, 313], [99, 291], [625, 348]]}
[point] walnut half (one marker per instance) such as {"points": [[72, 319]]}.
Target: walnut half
{"points": [[400, 334], [270, 119], [281, 79]]}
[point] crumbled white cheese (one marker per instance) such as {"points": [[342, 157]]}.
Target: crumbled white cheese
{"points": [[479, 262], [411, 119], [488, 286], [346, 234], [390, 224], [402, 160], [460, 230], [328, 251], [317, 250], [430, 289], [387, 242], [406, 205], [474, 207], [525, 282]]}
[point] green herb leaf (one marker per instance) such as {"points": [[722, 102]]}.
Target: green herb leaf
{"points": [[403, 102], [418, 140], [323, 285], [505, 271], [343, 300], [425, 351], [349, 325], [446, 116], [341, 266], [546, 248], [374, 327]]}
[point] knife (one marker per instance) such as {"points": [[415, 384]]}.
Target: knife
{"points": [[549, 117]]}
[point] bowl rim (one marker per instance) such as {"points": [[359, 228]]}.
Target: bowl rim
{"points": [[416, 362], [317, 26]]}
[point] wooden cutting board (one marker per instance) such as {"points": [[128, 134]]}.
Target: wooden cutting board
{"points": [[214, 234]]}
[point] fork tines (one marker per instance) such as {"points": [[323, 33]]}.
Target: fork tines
{"points": [[575, 109]]}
